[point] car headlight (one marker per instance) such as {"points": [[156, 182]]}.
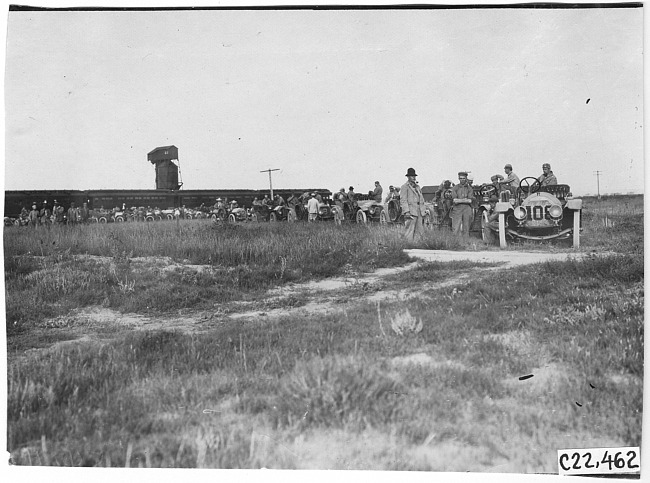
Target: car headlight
{"points": [[372, 210], [520, 213], [555, 212]]}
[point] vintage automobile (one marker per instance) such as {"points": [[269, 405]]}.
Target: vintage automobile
{"points": [[365, 209], [436, 209], [327, 211], [218, 214], [538, 212], [273, 213], [237, 213]]}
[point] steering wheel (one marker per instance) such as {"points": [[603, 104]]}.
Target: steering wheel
{"points": [[529, 185], [488, 190]]}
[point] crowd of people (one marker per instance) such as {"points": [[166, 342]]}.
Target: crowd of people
{"points": [[460, 198], [56, 215], [456, 198]]}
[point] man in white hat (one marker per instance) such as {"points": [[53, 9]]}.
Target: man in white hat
{"points": [[412, 203], [312, 208], [547, 178]]}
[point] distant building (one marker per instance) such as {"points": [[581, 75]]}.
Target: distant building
{"points": [[167, 172]]}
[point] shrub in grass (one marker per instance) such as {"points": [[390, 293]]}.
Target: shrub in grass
{"points": [[404, 323], [337, 391]]}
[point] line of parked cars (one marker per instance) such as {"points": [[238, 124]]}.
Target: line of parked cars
{"points": [[531, 212]]}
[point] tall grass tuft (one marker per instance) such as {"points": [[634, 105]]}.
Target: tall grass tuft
{"points": [[337, 391]]}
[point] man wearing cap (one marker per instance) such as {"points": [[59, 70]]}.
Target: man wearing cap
{"points": [[339, 199], [45, 213], [390, 195], [57, 213], [33, 217], [73, 214], [84, 213], [312, 208], [412, 203], [547, 178], [461, 213], [512, 180], [352, 198], [377, 192]]}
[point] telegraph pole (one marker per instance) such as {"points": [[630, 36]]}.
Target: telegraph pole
{"points": [[270, 182], [597, 173]]}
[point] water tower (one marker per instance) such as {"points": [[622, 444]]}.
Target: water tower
{"points": [[167, 172]]}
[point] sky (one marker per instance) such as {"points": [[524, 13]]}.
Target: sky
{"points": [[330, 98]]}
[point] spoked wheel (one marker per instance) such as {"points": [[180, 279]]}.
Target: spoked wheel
{"points": [[273, 217], [361, 217], [291, 216], [383, 217], [393, 210], [502, 230], [232, 218], [119, 219], [486, 234], [102, 219], [149, 218], [576, 229]]}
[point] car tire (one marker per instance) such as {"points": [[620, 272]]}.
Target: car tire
{"points": [[383, 217], [232, 218], [119, 219], [576, 229], [291, 216], [361, 217], [102, 220], [502, 230], [255, 218], [170, 217], [273, 217]]}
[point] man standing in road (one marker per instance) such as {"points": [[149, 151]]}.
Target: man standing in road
{"points": [[312, 208], [412, 204], [547, 178], [461, 213]]}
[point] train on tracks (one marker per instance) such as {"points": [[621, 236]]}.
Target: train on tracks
{"points": [[167, 195]]}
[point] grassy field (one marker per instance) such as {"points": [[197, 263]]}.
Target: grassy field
{"points": [[166, 377]]}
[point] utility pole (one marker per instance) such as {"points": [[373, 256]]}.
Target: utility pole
{"points": [[598, 173], [270, 182]]}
